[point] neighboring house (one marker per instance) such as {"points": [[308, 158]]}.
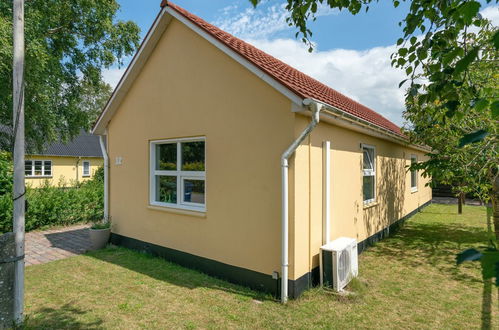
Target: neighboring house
{"points": [[195, 132], [65, 163]]}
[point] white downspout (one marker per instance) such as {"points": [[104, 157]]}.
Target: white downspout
{"points": [[316, 108], [326, 231], [106, 178]]}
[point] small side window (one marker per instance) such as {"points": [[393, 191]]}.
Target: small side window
{"points": [[369, 174], [47, 168], [28, 168], [86, 168], [414, 174]]}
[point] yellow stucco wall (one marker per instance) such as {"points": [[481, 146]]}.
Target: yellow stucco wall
{"points": [[64, 170], [349, 216], [190, 88]]}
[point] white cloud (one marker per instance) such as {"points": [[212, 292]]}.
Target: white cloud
{"points": [[113, 75], [492, 14], [262, 22], [365, 76]]}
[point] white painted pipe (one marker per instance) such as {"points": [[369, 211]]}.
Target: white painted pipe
{"points": [[316, 108], [326, 231], [106, 177]]}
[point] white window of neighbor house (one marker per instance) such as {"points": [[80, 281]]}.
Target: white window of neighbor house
{"points": [[178, 173], [47, 168], [369, 173], [86, 168], [38, 168], [414, 174]]}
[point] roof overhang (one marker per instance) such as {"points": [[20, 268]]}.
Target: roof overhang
{"points": [[338, 117]]}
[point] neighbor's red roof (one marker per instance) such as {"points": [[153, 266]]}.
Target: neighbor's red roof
{"points": [[296, 81]]}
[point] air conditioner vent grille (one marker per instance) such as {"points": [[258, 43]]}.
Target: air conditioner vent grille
{"points": [[344, 265], [339, 262]]}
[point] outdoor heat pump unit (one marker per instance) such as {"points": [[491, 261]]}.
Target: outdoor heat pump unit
{"points": [[338, 263]]}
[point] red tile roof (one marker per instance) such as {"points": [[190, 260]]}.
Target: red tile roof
{"points": [[299, 83]]}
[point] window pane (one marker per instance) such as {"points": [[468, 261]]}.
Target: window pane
{"points": [[38, 167], [413, 172], [27, 167], [368, 159], [86, 168], [47, 168], [368, 187], [193, 156], [194, 191], [166, 189], [166, 157]]}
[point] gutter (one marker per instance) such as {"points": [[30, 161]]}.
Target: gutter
{"points": [[353, 120], [106, 178], [316, 108]]}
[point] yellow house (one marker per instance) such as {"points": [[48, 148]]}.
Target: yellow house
{"points": [[225, 159], [65, 163]]}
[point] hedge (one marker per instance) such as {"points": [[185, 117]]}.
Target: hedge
{"points": [[50, 206]]}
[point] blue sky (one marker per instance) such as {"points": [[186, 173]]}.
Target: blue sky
{"points": [[377, 27], [352, 52]]}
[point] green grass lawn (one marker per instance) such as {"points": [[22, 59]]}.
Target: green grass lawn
{"points": [[408, 281]]}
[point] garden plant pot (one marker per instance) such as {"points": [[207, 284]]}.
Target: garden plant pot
{"points": [[99, 237]]}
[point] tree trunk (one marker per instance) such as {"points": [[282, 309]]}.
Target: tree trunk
{"points": [[460, 203]]}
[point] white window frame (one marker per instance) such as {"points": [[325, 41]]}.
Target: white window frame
{"points": [[43, 175], [414, 187], [179, 174], [369, 173], [83, 168]]}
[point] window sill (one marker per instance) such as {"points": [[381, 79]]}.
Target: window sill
{"points": [[199, 214], [414, 190], [85, 176], [38, 177], [370, 204]]}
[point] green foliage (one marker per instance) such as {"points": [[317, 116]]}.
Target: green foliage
{"points": [[472, 137], [62, 205], [463, 139], [101, 225], [193, 166], [68, 44], [6, 169]]}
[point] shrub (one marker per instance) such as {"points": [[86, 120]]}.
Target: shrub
{"points": [[5, 190], [50, 206]]}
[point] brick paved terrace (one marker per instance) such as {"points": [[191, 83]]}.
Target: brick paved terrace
{"points": [[49, 245]]}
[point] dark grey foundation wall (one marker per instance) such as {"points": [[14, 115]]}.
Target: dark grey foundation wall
{"points": [[249, 278]]}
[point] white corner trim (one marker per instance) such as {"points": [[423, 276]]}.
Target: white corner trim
{"points": [[238, 58]]}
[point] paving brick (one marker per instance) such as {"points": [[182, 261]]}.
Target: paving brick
{"points": [[49, 245]]}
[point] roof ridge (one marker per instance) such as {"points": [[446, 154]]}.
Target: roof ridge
{"points": [[296, 81]]}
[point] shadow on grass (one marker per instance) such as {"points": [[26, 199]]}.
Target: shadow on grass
{"points": [[66, 317], [434, 244], [163, 270]]}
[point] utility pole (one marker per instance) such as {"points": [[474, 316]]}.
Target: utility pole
{"points": [[18, 131]]}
